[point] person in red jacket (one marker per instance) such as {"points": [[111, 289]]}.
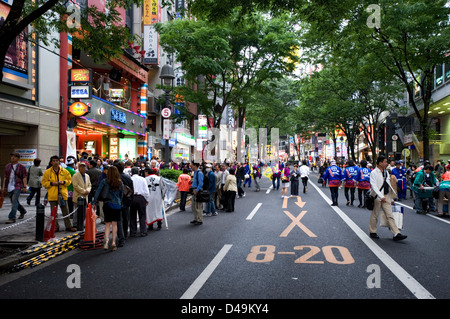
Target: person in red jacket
{"points": [[184, 184]]}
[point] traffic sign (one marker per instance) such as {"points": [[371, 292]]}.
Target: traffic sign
{"points": [[166, 112]]}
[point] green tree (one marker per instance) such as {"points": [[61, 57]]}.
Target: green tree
{"points": [[409, 37], [224, 62]]}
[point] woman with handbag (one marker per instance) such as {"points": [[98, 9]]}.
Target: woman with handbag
{"points": [[110, 191]]}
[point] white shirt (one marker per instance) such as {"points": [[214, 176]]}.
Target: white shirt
{"points": [[140, 186], [304, 171], [12, 179], [377, 180]]}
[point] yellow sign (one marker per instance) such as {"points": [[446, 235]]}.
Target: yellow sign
{"points": [[78, 109], [150, 11]]}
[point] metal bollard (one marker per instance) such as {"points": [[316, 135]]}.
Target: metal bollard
{"points": [[40, 222], [81, 213]]}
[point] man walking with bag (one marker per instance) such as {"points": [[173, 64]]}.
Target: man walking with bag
{"points": [[14, 182], [382, 189]]}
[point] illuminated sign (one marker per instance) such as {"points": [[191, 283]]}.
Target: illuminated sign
{"points": [[80, 92], [80, 75], [118, 116], [79, 109]]}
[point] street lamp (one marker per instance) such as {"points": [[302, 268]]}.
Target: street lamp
{"points": [[167, 76]]}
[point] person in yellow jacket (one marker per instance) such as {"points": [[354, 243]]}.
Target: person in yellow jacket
{"points": [[55, 180]]}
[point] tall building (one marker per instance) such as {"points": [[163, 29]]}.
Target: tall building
{"points": [[30, 105]]}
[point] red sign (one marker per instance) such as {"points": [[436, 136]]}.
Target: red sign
{"points": [[80, 75]]}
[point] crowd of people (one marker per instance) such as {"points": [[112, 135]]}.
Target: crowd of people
{"points": [[129, 195], [418, 179]]}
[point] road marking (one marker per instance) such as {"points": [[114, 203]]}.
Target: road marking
{"points": [[268, 191], [413, 285], [296, 222], [299, 202], [250, 216], [200, 281], [429, 215]]}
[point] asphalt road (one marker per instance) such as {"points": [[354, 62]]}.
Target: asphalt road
{"points": [[269, 248]]}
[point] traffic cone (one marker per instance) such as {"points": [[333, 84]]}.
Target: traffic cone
{"points": [[49, 232], [91, 240], [91, 226]]}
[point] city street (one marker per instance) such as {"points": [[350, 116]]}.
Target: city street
{"points": [[269, 248]]}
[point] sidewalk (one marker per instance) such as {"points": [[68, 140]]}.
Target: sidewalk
{"points": [[20, 236]]}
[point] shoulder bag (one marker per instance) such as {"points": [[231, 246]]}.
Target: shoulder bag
{"points": [[369, 200]]}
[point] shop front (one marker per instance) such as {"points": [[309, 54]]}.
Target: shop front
{"points": [[108, 130]]}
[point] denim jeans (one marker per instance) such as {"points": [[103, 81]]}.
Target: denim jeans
{"points": [[15, 205], [278, 182], [210, 207]]}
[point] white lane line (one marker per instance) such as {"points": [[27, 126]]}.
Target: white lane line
{"points": [[429, 215], [250, 216], [413, 285], [268, 190], [200, 281]]}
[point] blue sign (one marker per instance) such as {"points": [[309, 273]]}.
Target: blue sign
{"points": [[118, 116]]}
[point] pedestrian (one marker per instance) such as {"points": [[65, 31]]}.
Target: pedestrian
{"points": [[70, 167], [333, 174], [240, 176], [382, 189], [210, 209], [81, 183], [94, 173], [248, 175], [363, 182], [304, 175], [424, 178], [218, 192], [157, 190], [197, 185], [127, 200], [55, 180], [34, 181], [400, 173], [349, 178], [284, 181], [184, 184], [230, 189], [295, 176], [256, 175], [112, 206], [444, 191], [276, 176], [15, 182], [141, 198]]}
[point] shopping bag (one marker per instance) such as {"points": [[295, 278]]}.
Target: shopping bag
{"points": [[397, 212]]}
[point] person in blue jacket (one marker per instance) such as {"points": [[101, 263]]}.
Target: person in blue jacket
{"points": [[400, 173], [334, 176], [363, 180], [249, 173], [349, 178]]}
